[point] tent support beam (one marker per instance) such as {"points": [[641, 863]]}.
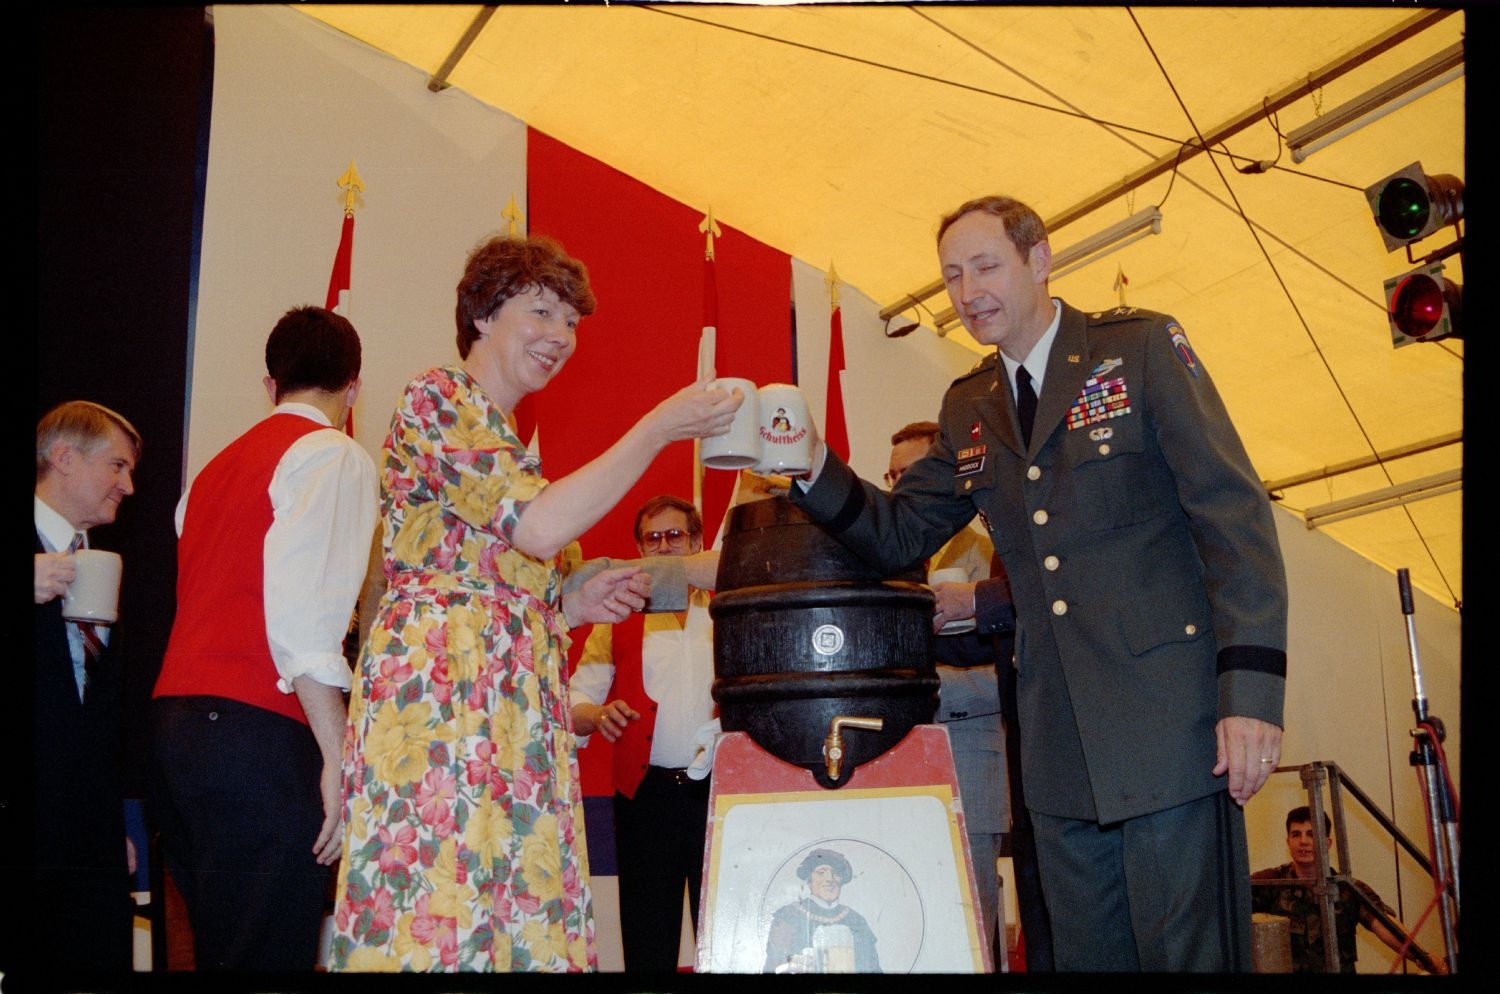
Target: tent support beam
{"points": [[1364, 462], [439, 80], [1287, 95]]}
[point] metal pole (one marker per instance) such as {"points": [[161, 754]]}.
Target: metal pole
{"points": [[1325, 889], [1442, 822]]}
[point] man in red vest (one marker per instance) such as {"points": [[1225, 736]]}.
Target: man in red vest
{"points": [[274, 536], [661, 669]]}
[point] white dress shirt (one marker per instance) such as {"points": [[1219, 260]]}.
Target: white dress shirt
{"points": [[57, 536], [677, 669], [323, 501], [1036, 360]]}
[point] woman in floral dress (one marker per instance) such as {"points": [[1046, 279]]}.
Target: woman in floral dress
{"points": [[464, 844]]}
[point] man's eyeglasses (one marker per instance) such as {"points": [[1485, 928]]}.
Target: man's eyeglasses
{"points": [[672, 536]]}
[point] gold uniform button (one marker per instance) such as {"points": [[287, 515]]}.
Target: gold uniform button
{"points": [[1104, 449], [1191, 629], [1034, 473], [968, 484], [1050, 562], [1059, 607], [1040, 517]]}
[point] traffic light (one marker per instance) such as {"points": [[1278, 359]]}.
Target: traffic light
{"points": [[1409, 205], [1423, 306]]}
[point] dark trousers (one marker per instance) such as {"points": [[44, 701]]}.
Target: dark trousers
{"points": [[1031, 902], [1164, 892], [659, 840], [238, 806]]}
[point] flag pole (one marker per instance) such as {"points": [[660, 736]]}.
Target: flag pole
{"points": [[339, 281], [708, 340], [835, 427], [1121, 282], [522, 417]]}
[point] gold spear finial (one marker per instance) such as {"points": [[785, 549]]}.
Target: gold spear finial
{"points": [[513, 218], [711, 229], [832, 280], [1121, 282], [352, 186]]}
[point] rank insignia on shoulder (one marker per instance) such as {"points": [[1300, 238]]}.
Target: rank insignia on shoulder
{"points": [[1182, 348], [1121, 312]]}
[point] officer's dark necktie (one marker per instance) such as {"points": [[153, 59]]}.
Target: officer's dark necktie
{"points": [[93, 645], [1025, 404]]}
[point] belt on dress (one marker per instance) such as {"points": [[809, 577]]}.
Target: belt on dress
{"points": [[454, 582]]}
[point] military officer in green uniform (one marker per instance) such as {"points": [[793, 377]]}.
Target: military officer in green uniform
{"points": [[1149, 592]]}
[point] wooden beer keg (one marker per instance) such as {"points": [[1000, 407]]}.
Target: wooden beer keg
{"points": [[805, 632]]}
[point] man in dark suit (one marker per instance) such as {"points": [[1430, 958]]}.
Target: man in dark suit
{"points": [[1149, 592], [80, 904]]}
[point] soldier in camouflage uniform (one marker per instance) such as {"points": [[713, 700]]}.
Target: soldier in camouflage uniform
{"points": [[1301, 907]]}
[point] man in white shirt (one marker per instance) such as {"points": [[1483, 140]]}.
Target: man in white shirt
{"points": [[661, 668], [85, 457], [249, 711]]}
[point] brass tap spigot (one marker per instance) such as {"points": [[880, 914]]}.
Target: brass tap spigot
{"points": [[833, 746]]}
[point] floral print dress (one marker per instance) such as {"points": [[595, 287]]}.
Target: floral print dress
{"points": [[464, 844]]}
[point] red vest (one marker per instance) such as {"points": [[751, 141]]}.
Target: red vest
{"points": [[218, 645], [632, 751]]}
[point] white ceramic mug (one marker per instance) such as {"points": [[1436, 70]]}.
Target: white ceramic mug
{"points": [[738, 448], [952, 574], [785, 441], [94, 594]]}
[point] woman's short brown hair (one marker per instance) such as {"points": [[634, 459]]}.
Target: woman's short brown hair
{"points": [[500, 268]]}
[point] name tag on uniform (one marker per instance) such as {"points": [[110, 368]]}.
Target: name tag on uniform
{"points": [[970, 461]]}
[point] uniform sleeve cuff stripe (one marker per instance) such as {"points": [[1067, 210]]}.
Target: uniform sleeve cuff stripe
{"points": [[1256, 658]]}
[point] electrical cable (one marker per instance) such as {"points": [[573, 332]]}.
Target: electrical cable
{"points": [[1286, 291]]}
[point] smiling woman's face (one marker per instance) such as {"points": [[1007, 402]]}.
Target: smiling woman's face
{"points": [[526, 342]]}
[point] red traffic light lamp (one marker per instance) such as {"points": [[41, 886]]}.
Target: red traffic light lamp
{"points": [[1423, 306]]}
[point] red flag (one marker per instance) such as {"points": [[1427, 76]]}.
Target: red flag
{"points": [[524, 420], [338, 287], [338, 282], [835, 430]]}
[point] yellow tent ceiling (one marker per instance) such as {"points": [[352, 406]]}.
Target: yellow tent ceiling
{"points": [[841, 133]]}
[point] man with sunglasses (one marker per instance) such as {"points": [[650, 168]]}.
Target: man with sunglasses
{"points": [[661, 669]]}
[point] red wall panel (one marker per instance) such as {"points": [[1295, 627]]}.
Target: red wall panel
{"points": [[644, 253]]}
